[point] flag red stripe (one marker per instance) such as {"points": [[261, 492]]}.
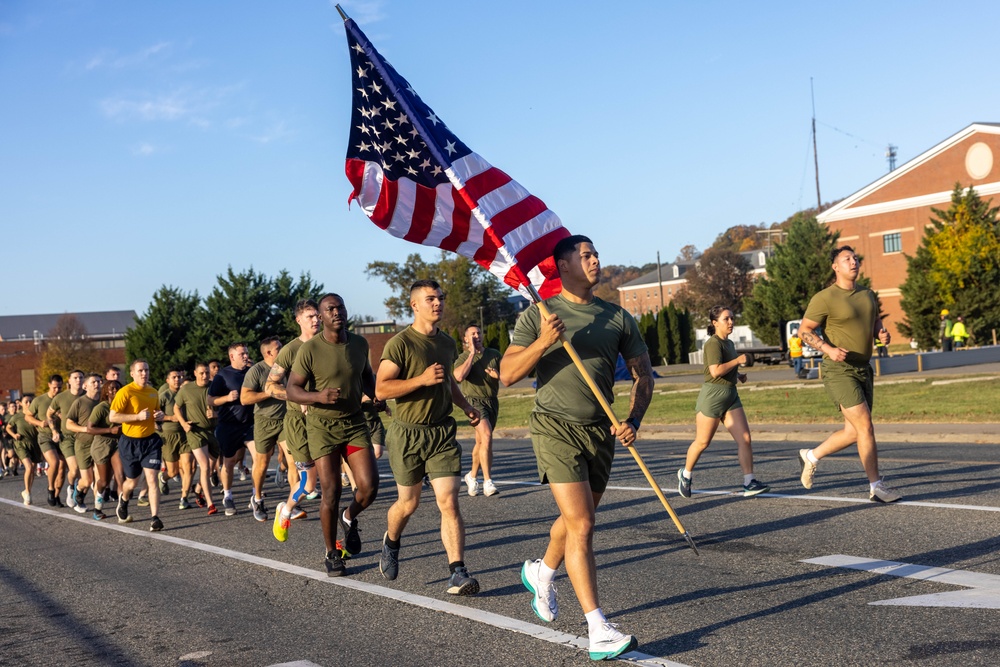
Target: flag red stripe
{"points": [[535, 253], [516, 215], [423, 214], [460, 220], [486, 182], [382, 215], [355, 174]]}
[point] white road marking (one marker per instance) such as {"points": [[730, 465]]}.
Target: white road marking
{"points": [[297, 663], [983, 593], [433, 604], [198, 655]]}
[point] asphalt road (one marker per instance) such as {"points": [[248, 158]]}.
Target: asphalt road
{"points": [[222, 591]]}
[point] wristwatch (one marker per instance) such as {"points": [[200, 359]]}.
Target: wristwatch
{"points": [[634, 423]]}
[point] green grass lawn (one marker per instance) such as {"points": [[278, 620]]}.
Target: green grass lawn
{"points": [[976, 400]]}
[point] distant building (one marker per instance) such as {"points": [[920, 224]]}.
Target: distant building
{"points": [[23, 338], [643, 295], [886, 220]]}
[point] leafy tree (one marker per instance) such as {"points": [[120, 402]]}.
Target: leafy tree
{"points": [[240, 308], [957, 266], [615, 275], [740, 238], [688, 254], [799, 267], [286, 292], [169, 333], [467, 285], [720, 277], [67, 349]]}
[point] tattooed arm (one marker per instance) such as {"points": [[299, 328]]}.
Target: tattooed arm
{"points": [[809, 336], [639, 399]]}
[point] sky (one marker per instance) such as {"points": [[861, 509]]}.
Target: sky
{"points": [[145, 144]]}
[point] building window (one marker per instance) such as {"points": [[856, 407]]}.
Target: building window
{"points": [[647, 293], [891, 243]]}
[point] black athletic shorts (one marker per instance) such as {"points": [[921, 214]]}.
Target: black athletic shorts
{"points": [[139, 453], [233, 436]]}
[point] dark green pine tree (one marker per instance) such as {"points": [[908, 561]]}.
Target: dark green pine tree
{"points": [[686, 335], [285, 293], [799, 267], [241, 308], [168, 333], [647, 327], [665, 338], [676, 349]]}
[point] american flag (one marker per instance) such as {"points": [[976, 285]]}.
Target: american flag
{"points": [[419, 182]]}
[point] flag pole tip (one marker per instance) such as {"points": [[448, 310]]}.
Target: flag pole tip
{"points": [[341, 12]]}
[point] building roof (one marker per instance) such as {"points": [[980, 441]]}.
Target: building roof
{"points": [[758, 259], [846, 208], [105, 324]]}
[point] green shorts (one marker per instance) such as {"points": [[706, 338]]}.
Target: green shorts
{"points": [[715, 400], [489, 409], [267, 433], [848, 385], [330, 436], [84, 459], [568, 452], [173, 440], [102, 449], [67, 446], [376, 428], [199, 437], [28, 450], [45, 442], [416, 450], [296, 438]]}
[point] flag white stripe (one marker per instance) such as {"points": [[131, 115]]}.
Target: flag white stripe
{"points": [[501, 198], [444, 209], [524, 234], [464, 168], [402, 215], [371, 186]]}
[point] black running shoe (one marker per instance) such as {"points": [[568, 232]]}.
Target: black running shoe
{"points": [[352, 540], [388, 563], [52, 498], [334, 564], [161, 482], [155, 525], [214, 480], [462, 583], [122, 511]]}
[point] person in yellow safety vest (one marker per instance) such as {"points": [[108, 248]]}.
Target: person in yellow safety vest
{"points": [[945, 333], [795, 352], [959, 333], [880, 347]]}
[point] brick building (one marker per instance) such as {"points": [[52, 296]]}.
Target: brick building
{"points": [[23, 339], [886, 220], [643, 295]]}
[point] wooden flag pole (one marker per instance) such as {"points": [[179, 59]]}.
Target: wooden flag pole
{"points": [[614, 421]]}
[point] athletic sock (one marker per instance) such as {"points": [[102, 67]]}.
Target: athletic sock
{"points": [[344, 516], [874, 484], [595, 620], [454, 566], [812, 457], [391, 543], [286, 512], [546, 574], [747, 479], [687, 474], [228, 494]]}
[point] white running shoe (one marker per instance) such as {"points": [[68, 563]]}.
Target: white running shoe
{"points": [[609, 643], [808, 469], [544, 604], [26, 496], [489, 488], [70, 497], [472, 483], [883, 493]]}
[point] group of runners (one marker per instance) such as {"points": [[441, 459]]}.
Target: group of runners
{"points": [[315, 401]]}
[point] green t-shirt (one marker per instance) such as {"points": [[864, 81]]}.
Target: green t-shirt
{"points": [[167, 399], [100, 418], [599, 332], [327, 365], [60, 405], [21, 426], [256, 380], [414, 352], [848, 320], [39, 406], [479, 384], [718, 351], [286, 357], [80, 412], [194, 401]]}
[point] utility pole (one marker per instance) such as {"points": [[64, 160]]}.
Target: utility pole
{"points": [[812, 95], [890, 155]]}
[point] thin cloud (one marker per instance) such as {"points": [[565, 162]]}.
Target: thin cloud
{"points": [[110, 59], [278, 131], [145, 149], [194, 106]]}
